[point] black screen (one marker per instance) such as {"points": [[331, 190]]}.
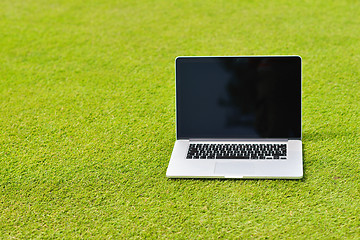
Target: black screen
{"points": [[238, 97]]}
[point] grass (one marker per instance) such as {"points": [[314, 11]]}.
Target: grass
{"points": [[87, 119]]}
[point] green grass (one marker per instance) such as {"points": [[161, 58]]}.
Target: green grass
{"points": [[87, 119]]}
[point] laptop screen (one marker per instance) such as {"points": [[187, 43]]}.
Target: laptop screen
{"points": [[238, 97]]}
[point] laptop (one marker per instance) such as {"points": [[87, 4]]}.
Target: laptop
{"points": [[238, 117]]}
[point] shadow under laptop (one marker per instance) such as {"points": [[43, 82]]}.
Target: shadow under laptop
{"points": [[236, 179]]}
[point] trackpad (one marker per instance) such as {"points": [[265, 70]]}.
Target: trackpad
{"points": [[235, 169]]}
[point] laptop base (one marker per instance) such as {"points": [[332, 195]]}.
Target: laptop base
{"points": [[290, 168]]}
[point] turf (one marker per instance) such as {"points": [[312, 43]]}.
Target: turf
{"points": [[87, 119]]}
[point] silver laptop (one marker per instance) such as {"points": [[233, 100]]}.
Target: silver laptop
{"points": [[238, 117]]}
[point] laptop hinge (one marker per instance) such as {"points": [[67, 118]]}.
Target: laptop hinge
{"points": [[238, 140]]}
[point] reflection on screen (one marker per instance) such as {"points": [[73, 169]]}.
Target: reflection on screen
{"points": [[238, 97]]}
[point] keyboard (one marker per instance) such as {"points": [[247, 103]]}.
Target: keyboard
{"points": [[237, 151]]}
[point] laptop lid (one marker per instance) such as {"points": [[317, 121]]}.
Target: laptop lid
{"points": [[256, 97]]}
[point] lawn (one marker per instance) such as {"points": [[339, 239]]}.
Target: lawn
{"points": [[87, 119]]}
